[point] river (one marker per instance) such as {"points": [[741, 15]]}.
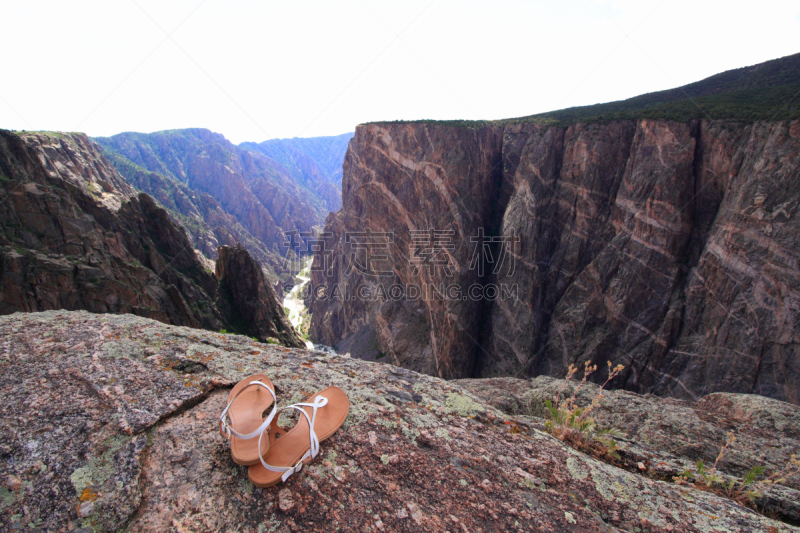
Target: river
{"points": [[293, 301]]}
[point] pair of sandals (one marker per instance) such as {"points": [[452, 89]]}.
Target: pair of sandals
{"points": [[282, 453]]}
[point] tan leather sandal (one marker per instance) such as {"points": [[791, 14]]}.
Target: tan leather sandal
{"points": [[323, 413], [247, 403]]}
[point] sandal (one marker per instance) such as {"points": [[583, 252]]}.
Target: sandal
{"points": [[323, 413], [247, 402]]}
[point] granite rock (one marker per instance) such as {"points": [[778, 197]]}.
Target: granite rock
{"points": [[110, 422], [668, 436]]}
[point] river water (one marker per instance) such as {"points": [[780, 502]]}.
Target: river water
{"points": [[293, 301]]}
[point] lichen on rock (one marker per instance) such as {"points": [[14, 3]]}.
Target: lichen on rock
{"points": [[125, 436]]}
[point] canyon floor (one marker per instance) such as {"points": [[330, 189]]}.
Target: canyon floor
{"points": [[110, 423], [293, 303]]}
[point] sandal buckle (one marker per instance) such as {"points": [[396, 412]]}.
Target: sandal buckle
{"points": [[292, 470]]}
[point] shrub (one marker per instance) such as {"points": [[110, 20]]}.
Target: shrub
{"points": [[743, 490], [573, 424]]}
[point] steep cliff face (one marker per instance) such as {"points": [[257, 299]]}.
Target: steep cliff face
{"points": [[390, 189], [257, 307], [668, 247], [75, 235]]}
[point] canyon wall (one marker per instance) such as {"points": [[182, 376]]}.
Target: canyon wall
{"points": [[75, 235], [668, 247], [207, 224]]}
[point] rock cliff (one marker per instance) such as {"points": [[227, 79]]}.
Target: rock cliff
{"points": [[75, 235], [669, 247], [664, 437], [255, 303], [135, 445]]}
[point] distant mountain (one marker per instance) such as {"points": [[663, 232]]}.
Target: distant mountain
{"points": [[207, 223], [314, 162], [224, 194], [327, 153]]}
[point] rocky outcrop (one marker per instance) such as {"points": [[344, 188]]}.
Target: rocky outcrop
{"points": [[256, 306], [664, 437], [75, 235], [667, 247], [136, 447]]}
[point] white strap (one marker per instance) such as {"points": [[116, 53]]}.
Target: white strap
{"points": [[264, 425], [319, 401]]}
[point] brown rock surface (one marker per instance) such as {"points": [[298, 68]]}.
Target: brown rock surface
{"points": [[243, 283], [664, 246], [75, 235], [668, 435], [389, 186], [110, 422]]}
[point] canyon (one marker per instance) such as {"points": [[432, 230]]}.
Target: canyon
{"points": [[460, 268], [76, 235], [669, 247]]}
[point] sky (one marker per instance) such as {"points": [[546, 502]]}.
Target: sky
{"points": [[260, 69]]}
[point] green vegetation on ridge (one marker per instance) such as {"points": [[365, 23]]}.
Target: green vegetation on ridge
{"points": [[768, 91]]}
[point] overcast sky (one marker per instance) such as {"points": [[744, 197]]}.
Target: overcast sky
{"points": [[258, 69]]}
